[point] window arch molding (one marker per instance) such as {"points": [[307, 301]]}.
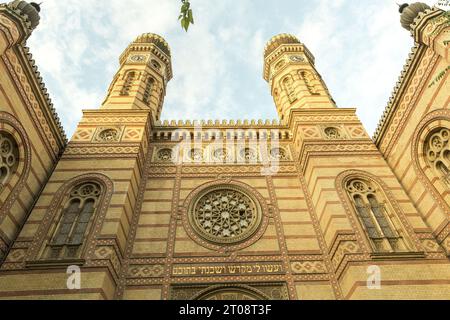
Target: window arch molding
{"points": [[54, 213], [10, 125], [239, 290], [429, 124], [287, 83], [128, 79], [310, 80], [400, 221], [149, 88]]}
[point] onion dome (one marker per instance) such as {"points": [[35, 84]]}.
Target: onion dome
{"points": [[279, 40], [29, 10], [156, 40], [409, 13]]}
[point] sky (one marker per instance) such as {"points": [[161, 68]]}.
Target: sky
{"points": [[360, 49]]}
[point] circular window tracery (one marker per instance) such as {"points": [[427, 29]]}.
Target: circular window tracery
{"points": [[333, 133], [225, 215], [9, 157], [109, 135], [437, 152], [278, 153], [165, 155], [196, 154], [86, 190], [249, 154], [222, 154]]}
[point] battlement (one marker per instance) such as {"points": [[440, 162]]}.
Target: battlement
{"points": [[218, 123]]}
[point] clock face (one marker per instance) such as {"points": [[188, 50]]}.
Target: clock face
{"points": [[137, 58], [297, 59]]}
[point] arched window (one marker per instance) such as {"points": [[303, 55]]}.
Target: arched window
{"points": [[437, 153], [373, 211], [128, 83], [148, 91], [309, 79], [9, 158], [288, 84], [75, 221]]}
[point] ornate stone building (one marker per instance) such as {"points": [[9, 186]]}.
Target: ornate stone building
{"points": [[307, 207]]}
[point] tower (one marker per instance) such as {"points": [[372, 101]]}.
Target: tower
{"points": [[336, 159], [86, 220], [141, 81], [293, 79]]}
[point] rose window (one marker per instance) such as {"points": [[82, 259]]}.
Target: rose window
{"points": [[225, 215], [437, 151], [9, 157]]}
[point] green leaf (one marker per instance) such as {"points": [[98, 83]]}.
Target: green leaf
{"points": [[191, 17], [186, 16]]}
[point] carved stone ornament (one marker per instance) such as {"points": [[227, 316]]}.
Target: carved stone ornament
{"points": [[333, 133], [108, 135], [165, 155], [196, 154], [279, 154], [249, 154]]}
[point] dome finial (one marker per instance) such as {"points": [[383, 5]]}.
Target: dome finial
{"points": [[37, 6], [409, 12], [30, 11], [402, 7], [279, 40], [156, 39]]}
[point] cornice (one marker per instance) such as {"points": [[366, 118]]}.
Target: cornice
{"points": [[48, 109], [400, 87]]}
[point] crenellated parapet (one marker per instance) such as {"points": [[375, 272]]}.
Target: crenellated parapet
{"points": [[218, 123]]}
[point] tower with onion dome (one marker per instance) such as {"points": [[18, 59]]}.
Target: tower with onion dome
{"points": [[141, 81], [293, 79]]}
